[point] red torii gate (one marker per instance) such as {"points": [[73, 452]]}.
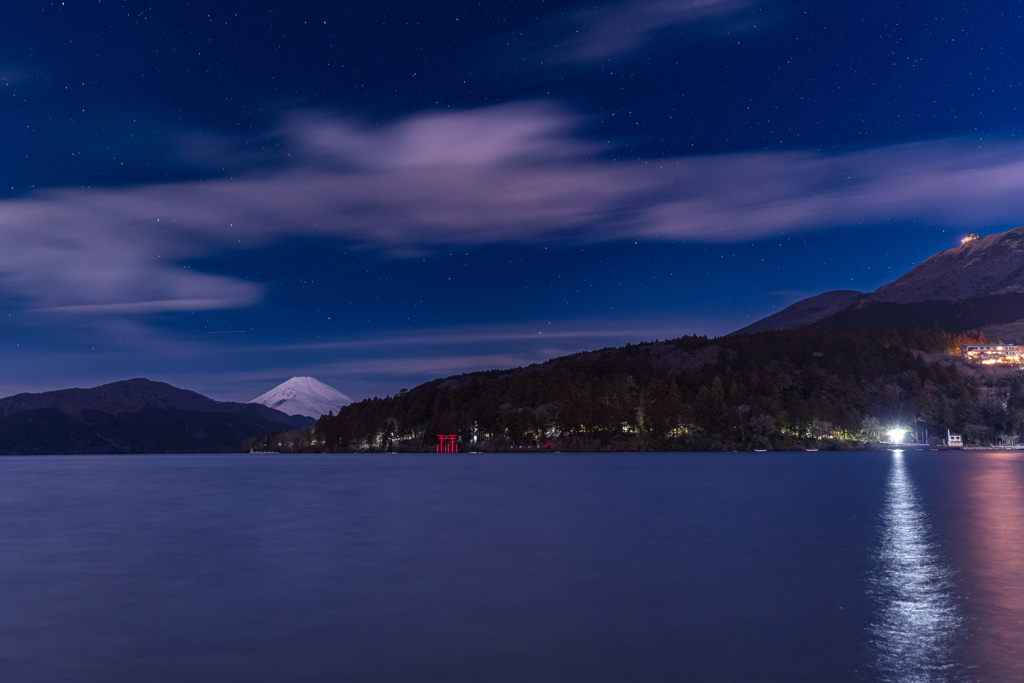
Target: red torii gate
{"points": [[446, 443]]}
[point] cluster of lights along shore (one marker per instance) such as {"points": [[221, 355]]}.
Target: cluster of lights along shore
{"points": [[976, 354]]}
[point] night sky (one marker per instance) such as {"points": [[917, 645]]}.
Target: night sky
{"points": [[222, 195]]}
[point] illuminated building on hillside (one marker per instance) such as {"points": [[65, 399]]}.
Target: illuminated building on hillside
{"points": [[970, 238], [991, 354]]}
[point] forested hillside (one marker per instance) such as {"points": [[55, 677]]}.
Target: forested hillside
{"points": [[132, 416], [781, 389]]}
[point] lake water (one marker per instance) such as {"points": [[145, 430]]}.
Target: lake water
{"points": [[584, 567]]}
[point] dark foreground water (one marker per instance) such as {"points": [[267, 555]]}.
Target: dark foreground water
{"points": [[603, 567]]}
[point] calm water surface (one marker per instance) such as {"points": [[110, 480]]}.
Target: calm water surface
{"points": [[591, 567]]}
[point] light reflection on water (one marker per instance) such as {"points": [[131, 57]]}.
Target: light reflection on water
{"points": [[582, 567], [917, 617], [995, 563]]}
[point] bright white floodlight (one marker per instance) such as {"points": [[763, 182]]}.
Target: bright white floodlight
{"points": [[896, 435]]}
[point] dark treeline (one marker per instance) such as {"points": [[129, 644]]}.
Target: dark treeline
{"points": [[776, 390], [968, 314]]}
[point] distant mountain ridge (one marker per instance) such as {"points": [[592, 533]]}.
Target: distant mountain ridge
{"points": [[805, 312], [132, 416], [989, 266], [304, 396], [978, 284]]}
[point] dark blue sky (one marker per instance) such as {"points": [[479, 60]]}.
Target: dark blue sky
{"points": [[222, 195]]}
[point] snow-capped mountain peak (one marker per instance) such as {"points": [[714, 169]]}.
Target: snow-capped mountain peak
{"points": [[303, 396]]}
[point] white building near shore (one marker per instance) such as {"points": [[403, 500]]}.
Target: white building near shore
{"points": [[991, 354]]}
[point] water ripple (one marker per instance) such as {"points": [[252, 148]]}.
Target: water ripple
{"points": [[918, 618]]}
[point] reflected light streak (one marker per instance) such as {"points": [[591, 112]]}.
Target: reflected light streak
{"points": [[917, 618]]}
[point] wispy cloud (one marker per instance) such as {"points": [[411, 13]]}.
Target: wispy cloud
{"points": [[461, 336], [163, 306], [235, 368], [506, 174], [618, 28]]}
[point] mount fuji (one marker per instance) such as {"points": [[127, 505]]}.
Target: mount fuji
{"points": [[303, 396]]}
